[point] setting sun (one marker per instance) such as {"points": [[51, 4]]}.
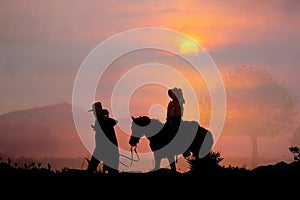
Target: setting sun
{"points": [[189, 47]]}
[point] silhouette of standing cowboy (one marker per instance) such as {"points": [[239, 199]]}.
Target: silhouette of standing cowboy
{"points": [[104, 127]]}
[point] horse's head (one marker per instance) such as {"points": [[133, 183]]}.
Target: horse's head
{"points": [[138, 129]]}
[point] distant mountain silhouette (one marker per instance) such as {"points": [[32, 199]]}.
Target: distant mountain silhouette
{"points": [[279, 169], [43, 131]]}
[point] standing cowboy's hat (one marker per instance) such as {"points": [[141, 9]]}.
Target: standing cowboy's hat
{"points": [[96, 106]]}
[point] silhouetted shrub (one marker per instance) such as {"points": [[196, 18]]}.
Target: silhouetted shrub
{"points": [[206, 165]]}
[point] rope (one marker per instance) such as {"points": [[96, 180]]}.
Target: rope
{"points": [[130, 158], [85, 159]]}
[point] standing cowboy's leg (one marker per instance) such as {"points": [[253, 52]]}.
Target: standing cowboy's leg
{"points": [[93, 164]]}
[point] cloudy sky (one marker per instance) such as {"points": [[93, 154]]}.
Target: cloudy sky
{"points": [[43, 43]]}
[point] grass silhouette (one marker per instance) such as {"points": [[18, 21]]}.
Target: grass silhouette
{"points": [[205, 174], [207, 166]]}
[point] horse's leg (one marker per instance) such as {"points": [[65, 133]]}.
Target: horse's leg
{"points": [[157, 160], [172, 163]]}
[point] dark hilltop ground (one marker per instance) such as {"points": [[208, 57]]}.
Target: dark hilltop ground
{"points": [[204, 174]]}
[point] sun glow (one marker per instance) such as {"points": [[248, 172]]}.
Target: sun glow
{"points": [[189, 47]]}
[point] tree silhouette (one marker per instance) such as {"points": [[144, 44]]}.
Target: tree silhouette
{"points": [[257, 105], [296, 151]]}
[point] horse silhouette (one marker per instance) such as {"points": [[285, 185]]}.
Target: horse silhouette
{"points": [[190, 140]]}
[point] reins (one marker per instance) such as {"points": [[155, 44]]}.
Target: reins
{"points": [[85, 159], [132, 149]]}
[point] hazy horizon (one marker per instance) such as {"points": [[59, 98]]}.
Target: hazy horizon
{"points": [[236, 150]]}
